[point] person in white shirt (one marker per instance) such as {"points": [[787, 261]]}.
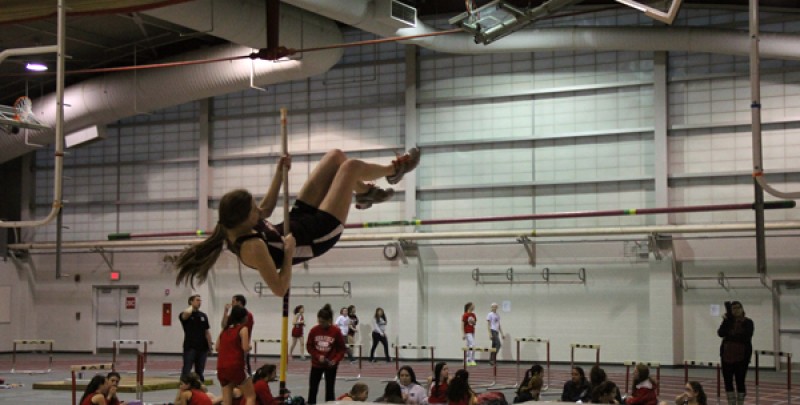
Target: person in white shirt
{"points": [[343, 322], [413, 393], [495, 332], [379, 334]]}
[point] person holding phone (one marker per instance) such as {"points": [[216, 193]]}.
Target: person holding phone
{"points": [[735, 350]]}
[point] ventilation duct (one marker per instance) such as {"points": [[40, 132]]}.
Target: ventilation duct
{"points": [[362, 14], [108, 98]]}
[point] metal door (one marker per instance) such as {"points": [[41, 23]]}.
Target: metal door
{"points": [[117, 315]]}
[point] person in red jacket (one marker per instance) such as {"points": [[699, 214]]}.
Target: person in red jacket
{"points": [[326, 347], [232, 344], [644, 388]]}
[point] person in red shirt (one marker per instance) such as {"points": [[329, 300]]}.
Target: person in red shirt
{"points": [[261, 379], [239, 300], [297, 330], [468, 329], [190, 391], [96, 390], [232, 344], [326, 347], [438, 384]]}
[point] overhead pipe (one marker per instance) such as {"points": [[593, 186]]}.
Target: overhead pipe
{"points": [[761, 183], [36, 50], [58, 156], [377, 237]]}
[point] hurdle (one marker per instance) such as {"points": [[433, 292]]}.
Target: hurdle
{"points": [[117, 345], [357, 377], [86, 367], [778, 356], [494, 366], [574, 346], [651, 364], [533, 340], [709, 364], [22, 342], [255, 347], [409, 346], [141, 358]]}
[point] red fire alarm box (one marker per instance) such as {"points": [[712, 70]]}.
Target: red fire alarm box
{"points": [[166, 314]]}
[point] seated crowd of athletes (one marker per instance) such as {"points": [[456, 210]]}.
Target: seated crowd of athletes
{"points": [[441, 388]]}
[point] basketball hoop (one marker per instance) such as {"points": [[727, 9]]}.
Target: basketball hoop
{"points": [[20, 116], [24, 108]]}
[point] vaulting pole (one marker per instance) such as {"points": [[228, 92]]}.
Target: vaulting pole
{"points": [[286, 231]]}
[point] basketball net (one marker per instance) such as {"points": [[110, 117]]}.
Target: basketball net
{"points": [[24, 109]]}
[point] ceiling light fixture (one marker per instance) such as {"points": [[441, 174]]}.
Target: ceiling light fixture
{"points": [[499, 18], [36, 67]]}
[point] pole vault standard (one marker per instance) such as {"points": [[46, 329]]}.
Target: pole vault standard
{"points": [[529, 217]]}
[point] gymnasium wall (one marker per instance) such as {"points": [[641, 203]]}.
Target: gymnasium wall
{"points": [[501, 134]]}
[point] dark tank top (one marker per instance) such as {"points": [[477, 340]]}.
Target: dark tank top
{"points": [[271, 235]]}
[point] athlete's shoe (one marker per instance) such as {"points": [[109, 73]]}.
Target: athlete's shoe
{"points": [[374, 195], [404, 164], [471, 363]]}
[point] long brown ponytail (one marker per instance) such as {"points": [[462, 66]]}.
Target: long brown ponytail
{"points": [[196, 261]]}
